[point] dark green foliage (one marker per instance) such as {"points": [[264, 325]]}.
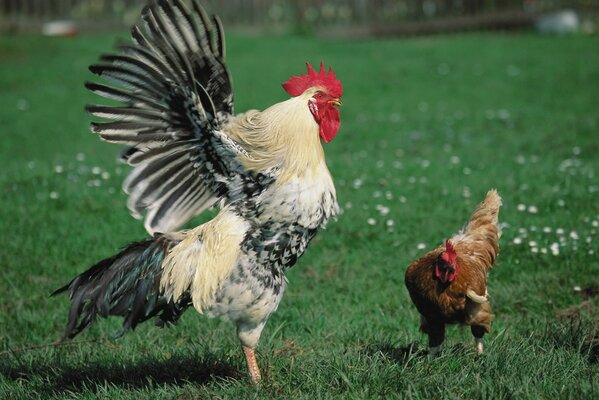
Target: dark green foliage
{"points": [[428, 126]]}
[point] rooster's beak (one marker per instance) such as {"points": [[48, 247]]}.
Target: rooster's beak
{"points": [[335, 102]]}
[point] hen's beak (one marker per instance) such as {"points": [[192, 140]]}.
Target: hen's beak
{"points": [[335, 102]]}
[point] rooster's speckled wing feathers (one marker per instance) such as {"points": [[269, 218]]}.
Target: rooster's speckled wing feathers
{"points": [[176, 94]]}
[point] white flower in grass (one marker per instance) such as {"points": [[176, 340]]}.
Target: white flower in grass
{"points": [[534, 249], [403, 199], [554, 248], [520, 159], [54, 195], [390, 223], [59, 169], [591, 252], [425, 163], [357, 183], [454, 160], [96, 170], [80, 157], [543, 250], [560, 231], [467, 171], [105, 175], [382, 209], [421, 246], [503, 114], [521, 207], [348, 205], [412, 179], [547, 229], [388, 195], [532, 243], [576, 150], [595, 223], [377, 194], [22, 105], [371, 221], [574, 235], [589, 239], [517, 240], [533, 209]]}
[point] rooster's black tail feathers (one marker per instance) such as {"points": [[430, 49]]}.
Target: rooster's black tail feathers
{"points": [[128, 285]]}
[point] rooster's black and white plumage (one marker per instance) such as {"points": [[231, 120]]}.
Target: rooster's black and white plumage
{"points": [[265, 169]]}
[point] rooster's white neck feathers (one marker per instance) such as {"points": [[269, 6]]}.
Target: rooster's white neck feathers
{"points": [[285, 136]]}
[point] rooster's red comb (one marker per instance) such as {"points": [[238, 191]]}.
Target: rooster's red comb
{"points": [[297, 85]]}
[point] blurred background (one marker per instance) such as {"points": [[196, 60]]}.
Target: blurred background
{"points": [[443, 100], [343, 18]]}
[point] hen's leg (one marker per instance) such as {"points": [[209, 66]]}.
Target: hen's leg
{"points": [[436, 334], [481, 324], [478, 332], [249, 336]]}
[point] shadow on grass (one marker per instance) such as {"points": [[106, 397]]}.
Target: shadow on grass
{"points": [[397, 354], [55, 376]]}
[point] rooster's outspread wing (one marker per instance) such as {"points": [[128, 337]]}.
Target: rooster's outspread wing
{"points": [[176, 97]]}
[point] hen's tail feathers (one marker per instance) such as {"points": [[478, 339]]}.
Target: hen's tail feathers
{"points": [[480, 237], [487, 213], [128, 285]]}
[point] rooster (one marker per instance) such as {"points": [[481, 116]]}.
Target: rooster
{"points": [[265, 170], [449, 284]]}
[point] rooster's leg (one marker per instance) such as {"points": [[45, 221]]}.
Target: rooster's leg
{"points": [[253, 369], [249, 334], [478, 332]]}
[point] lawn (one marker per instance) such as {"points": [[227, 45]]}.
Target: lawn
{"points": [[428, 126]]}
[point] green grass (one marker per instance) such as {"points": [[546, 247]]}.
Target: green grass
{"points": [[428, 126]]}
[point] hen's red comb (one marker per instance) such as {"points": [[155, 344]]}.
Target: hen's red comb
{"points": [[297, 85], [449, 255]]}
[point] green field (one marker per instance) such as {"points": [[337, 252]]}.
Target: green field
{"points": [[428, 126]]}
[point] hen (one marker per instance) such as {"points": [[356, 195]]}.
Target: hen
{"points": [[266, 170], [449, 284]]}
